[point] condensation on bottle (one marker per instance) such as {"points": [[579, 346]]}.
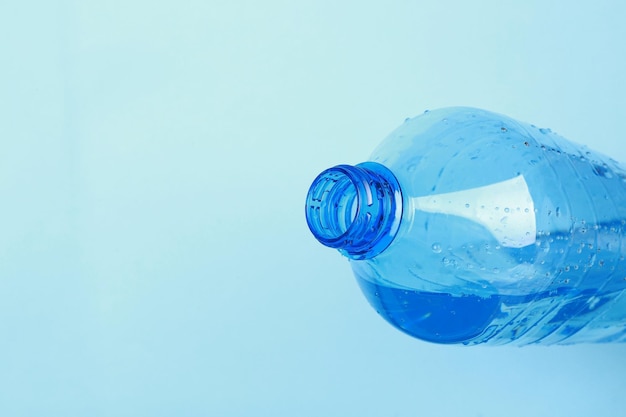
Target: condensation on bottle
{"points": [[469, 227]]}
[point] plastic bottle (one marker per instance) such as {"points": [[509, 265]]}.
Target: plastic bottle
{"points": [[469, 227]]}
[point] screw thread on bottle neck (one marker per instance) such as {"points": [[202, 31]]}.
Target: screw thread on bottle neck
{"points": [[356, 209]]}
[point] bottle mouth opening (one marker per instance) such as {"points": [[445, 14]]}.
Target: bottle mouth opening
{"points": [[333, 206], [356, 209]]}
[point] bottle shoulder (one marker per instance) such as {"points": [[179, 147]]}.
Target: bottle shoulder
{"points": [[463, 148]]}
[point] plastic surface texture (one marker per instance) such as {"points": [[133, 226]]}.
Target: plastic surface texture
{"points": [[469, 227]]}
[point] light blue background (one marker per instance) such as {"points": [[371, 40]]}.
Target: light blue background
{"points": [[154, 159]]}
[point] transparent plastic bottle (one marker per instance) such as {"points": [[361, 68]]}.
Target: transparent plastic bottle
{"points": [[469, 227]]}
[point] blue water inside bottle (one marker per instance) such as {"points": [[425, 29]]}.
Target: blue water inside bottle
{"points": [[434, 317], [445, 318], [537, 303], [469, 227]]}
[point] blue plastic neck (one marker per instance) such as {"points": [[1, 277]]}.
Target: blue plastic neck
{"points": [[356, 209]]}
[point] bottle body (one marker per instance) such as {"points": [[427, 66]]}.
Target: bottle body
{"points": [[508, 234]]}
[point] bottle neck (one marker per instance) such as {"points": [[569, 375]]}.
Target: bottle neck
{"points": [[356, 209]]}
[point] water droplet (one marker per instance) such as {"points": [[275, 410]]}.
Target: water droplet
{"points": [[506, 210], [544, 130], [467, 205], [436, 247], [503, 129], [407, 119], [411, 168]]}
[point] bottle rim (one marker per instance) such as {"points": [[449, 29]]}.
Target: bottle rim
{"points": [[355, 209]]}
